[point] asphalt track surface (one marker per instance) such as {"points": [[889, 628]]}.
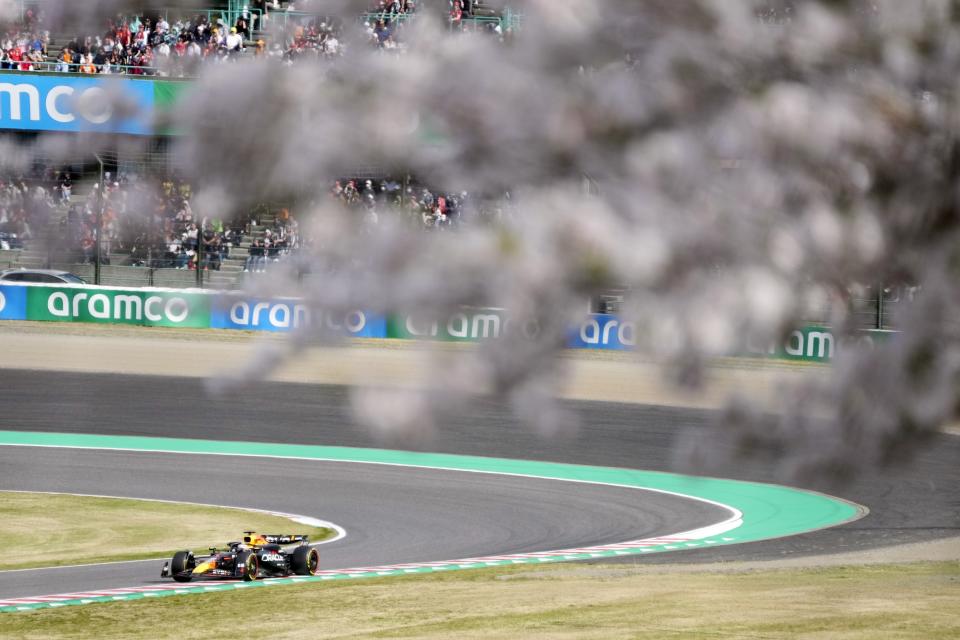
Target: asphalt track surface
{"points": [[391, 514], [404, 515]]}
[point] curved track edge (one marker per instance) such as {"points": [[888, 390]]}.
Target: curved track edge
{"points": [[757, 511]]}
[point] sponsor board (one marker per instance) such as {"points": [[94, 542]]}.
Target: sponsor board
{"points": [[13, 302], [815, 344], [149, 307], [287, 314], [177, 308], [598, 331], [62, 103], [467, 325], [604, 331]]}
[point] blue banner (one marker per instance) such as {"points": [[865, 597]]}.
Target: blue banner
{"points": [[603, 331], [230, 312], [86, 103], [13, 302]]}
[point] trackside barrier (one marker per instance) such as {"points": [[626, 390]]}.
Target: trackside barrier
{"points": [[204, 309], [231, 311], [154, 307]]}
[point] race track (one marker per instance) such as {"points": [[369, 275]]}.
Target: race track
{"points": [[391, 515], [405, 515]]}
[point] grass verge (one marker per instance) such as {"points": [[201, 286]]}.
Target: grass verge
{"points": [[568, 601], [50, 530]]}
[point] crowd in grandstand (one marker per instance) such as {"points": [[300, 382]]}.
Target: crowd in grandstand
{"points": [[26, 206], [153, 43], [24, 45], [146, 44], [418, 205], [276, 243], [778, 14], [151, 223]]}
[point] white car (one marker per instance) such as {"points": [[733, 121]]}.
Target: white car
{"points": [[43, 276]]}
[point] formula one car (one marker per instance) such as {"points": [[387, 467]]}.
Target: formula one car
{"points": [[257, 556]]}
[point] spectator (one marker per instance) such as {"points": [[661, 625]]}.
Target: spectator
{"points": [[212, 247], [234, 42], [256, 258], [65, 60], [87, 65], [242, 28], [66, 188]]}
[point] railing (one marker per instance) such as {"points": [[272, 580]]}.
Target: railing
{"points": [[72, 68]]}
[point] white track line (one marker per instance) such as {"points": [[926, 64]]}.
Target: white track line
{"points": [[305, 520]]}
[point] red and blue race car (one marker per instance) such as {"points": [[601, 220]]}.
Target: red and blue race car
{"points": [[256, 556]]}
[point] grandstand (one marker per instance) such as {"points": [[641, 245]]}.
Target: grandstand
{"points": [[108, 244], [78, 214], [167, 42], [133, 253]]}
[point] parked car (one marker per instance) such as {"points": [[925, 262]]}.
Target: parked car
{"points": [[43, 276]]}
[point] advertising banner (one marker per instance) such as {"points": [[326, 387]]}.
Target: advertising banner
{"points": [[815, 344], [149, 307], [174, 308], [33, 102], [286, 314], [13, 302], [598, 331], [469, 325], [604, 331]]}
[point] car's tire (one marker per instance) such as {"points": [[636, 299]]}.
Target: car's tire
{"points": [[306, 561], [249, 560], [182, 562]]}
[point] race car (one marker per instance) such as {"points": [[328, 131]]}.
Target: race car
{"points": [[257, 556]]}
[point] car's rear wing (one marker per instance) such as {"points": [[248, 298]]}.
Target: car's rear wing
{"points": [[279, 538]]}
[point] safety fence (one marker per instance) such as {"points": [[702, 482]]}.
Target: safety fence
{"points": [[202, 309]]}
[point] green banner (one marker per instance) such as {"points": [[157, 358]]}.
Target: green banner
{"points": [[166, 93], [468, 325], [148, 307], [816, 344]]}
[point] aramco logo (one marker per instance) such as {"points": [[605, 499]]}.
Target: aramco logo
{"points": [[61, 103], [133, 307]]}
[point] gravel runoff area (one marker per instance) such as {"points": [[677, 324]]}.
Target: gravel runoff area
{"points": [[599, 376]]}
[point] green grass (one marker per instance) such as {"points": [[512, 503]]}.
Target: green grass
{"points": [[560, 601], [50, 530]]}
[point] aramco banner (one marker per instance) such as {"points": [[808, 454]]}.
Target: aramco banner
{"points": [[229, 311], [13, 302], [148, 307], [815, 344], [105, 104], [219, 310], [471, 324]]}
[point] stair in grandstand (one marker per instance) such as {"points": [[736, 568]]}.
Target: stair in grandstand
{"points": [[9, 258]]}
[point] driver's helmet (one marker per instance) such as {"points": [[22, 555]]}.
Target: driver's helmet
{"points": [[253, 539]]}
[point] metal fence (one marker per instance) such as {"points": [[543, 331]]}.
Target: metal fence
{"points": [[876, 307]]}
